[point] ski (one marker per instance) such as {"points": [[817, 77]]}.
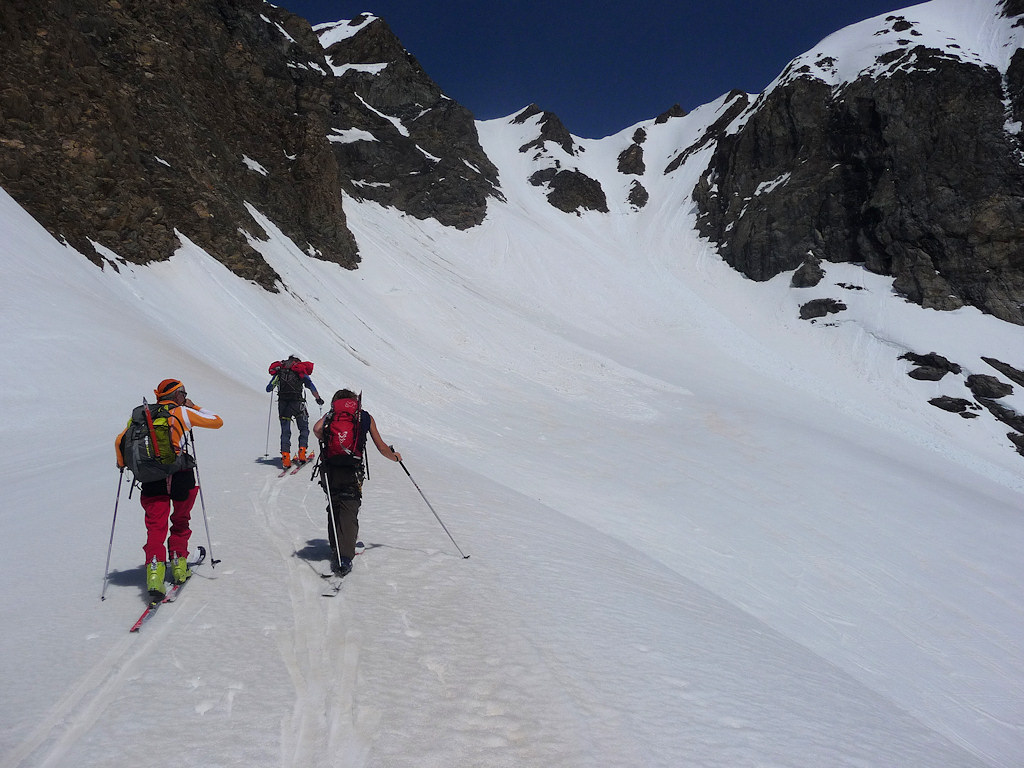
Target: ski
{"points": [[333, 586], [170, 597], [334, 582], [295, 466], [146, 615], [337, 579], [301, 464]]}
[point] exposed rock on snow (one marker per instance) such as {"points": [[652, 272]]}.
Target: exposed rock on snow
{"points": [[820, 308], [930, 367]]}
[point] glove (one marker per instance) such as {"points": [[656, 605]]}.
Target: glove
{"points": [[319, 401]]}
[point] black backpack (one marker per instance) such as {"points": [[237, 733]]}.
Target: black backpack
{"points": [[147, 447], [289, 385]]}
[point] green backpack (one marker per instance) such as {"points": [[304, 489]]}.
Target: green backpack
{"points": [[147, 447]]}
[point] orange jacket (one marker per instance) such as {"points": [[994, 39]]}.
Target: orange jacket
{"points": [[182, 421]]}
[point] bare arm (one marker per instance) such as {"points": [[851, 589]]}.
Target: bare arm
{"points": [[385, 450]]}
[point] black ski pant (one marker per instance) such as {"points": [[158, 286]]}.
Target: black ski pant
{"points": [[343, 489]]}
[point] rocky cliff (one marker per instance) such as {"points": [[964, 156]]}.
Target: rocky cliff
{"points": [[912, 167], [126, 125], [398, 139], [123, 123]]}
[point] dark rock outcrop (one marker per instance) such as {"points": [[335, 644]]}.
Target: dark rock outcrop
{"points": [[808, 274], [820, 308], [955, 405], [913, 174], [986, 391], [551, 129], [987, 387], [122, 122], [735, 103], [930, 367], [568, 189], [1006, 415], [631, 159], [571, 191], [125, 122], [398, 139], [638, 195], [674, 111], [1013, 374]]}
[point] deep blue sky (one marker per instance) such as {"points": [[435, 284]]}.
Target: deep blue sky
{"points": [[600, 66]]}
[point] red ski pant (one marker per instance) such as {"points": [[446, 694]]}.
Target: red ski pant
{"points": [[171, 508]]}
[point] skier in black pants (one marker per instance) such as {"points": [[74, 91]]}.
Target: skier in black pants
{"points": [[342, 433], [291, 404]]}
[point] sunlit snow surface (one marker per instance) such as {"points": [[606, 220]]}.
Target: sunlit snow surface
{"points": [[702, 531]]}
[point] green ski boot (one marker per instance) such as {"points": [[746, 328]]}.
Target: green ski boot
{"points": [[179, 570], [155, 580]]}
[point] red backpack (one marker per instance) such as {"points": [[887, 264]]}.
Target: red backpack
{"points": [[343, 434]]}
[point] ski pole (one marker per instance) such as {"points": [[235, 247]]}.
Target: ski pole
{"points": [[334, 526], [202, 503], [402, 463], [270, 415], [325, 485], [110, 547]]}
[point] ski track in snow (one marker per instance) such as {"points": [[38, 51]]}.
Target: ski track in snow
{"points": [[84, 706], [79, 708], [321, 653]]}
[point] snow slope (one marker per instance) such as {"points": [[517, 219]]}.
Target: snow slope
{"points": [[702, 531]]}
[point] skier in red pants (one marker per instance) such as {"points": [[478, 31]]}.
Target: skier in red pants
{"points": [[168, 503]]}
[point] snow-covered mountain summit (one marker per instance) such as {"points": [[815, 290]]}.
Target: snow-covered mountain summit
{"points": [[980, 33]]}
